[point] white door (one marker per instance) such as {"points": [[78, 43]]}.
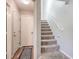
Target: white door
{"points": [[16, 31], [27, 29]]}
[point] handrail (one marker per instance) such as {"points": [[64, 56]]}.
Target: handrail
{"points": [[60, 27], [32, 51], [57, 27], [18, 53]]}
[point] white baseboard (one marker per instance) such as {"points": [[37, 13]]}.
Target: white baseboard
{"points": [[66, 54]]}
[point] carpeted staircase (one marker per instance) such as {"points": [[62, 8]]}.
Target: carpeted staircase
{"points": [[49, 46], [48, 41]]}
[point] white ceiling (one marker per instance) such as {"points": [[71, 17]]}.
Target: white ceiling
{"points": [[25, 7], [30, 6]]}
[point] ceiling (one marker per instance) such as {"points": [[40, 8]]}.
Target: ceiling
{"points": [[30, 6], [25, 7]]}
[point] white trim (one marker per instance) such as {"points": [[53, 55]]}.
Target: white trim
{"points": [[48, 40], [49, 46], [66, 54]]}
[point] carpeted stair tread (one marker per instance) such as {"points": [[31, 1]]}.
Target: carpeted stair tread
{"points": [[48, 42], [49, 46]]}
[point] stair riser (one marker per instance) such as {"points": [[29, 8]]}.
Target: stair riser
{"points": [[44, 22], [45, 29], [47, 33], [45, 50], [49, 43], [45, 26], [48, 37]]}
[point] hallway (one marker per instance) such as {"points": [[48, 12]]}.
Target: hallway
{"points": [[39, 29], [20, 26]]}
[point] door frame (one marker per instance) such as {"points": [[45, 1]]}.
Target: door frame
{"points": [[37, 29]]}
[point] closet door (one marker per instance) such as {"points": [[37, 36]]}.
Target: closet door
{"points": [[27, 29]]}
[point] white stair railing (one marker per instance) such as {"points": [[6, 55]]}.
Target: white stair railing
{"points": [[55, 26]]}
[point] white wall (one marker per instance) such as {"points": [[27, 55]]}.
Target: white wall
{"points": [[63, 16], [11, 43], [27, 21], [15, 27], [9, 33], [10, 10]]}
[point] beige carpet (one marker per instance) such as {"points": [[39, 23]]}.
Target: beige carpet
{"points": [[54, 55], [49, 46]]}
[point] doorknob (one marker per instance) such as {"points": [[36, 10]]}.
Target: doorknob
{"points": [[32, 32], [19, 43]]}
